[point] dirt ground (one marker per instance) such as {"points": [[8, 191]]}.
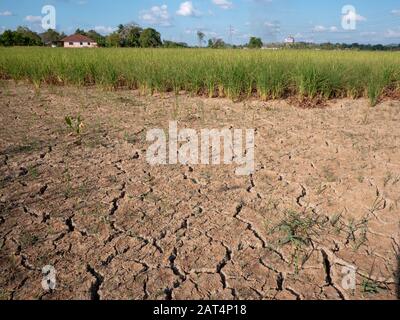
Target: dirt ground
{"points": [[324, 200]]}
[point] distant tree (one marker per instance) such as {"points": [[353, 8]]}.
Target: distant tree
{"points": [[378, 47], [200, 37], [172, 44], [150, 38], [130, 35], [80, 31], [327, 46], [26, 37], [7, 38], [255, 43], [50, 37], [113, 40], [216, 43], [94, 35]]}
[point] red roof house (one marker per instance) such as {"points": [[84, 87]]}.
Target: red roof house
{"points": [[79, 41]]}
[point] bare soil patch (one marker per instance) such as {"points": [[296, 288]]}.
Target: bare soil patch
{"points": [[325, 195]]}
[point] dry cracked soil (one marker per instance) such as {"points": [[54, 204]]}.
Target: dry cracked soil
{"points": [[318, 219]]}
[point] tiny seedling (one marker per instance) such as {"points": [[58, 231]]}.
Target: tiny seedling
{"points": [[75, 124], [27, 240], [297, 230], [34, 172], [369, 287], [131, 138]]}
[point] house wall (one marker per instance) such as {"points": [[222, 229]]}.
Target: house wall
{"points": [[79, 45]]}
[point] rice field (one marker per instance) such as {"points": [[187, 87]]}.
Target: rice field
{"points": [[235, 74]]}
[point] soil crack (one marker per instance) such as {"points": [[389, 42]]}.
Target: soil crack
{"points": [[95, 287]]}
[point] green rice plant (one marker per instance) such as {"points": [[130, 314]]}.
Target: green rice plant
{"points": [[374, 92], [272, 81], [227, 73]]}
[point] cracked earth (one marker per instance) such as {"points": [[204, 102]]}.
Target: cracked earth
{"points": [[324, 197]]}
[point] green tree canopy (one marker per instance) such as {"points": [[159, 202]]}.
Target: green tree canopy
{"points": [[50, 37], [150, 38], [80, 31], [255, 43], [94, 35], [200, 37], [20, 37], [113, 40], [172, 44], [216, 43], [8, 38], [130, 35]]}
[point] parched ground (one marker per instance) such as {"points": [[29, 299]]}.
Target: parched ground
{"points": [[324, 197]]}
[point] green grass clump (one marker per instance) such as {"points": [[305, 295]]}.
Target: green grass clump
{"points": [[74, 123], [235, 74], [369, 287]]}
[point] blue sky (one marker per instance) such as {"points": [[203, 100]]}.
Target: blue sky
{"points": [[179, 20]]}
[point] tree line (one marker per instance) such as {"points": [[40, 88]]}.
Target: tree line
{"points": [[133, 36], [129, 35], [337, 46]]}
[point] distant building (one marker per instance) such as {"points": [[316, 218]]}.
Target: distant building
{"points": [[270, 48], [78, 41], [290, 40]]}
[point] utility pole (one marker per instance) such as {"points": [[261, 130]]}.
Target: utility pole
{"points": [[230, 35]]}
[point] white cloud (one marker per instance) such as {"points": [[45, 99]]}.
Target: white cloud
{"points": [[223, 4], [187, 9], [321, 28], [304, 38], [353, 16], [246, 36], [33, 19], [270, 24], [368, 33], [273, 26], [393, 33], [396, 12], [207, 33], [104, 29], [6, 13], [157, 15]]}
